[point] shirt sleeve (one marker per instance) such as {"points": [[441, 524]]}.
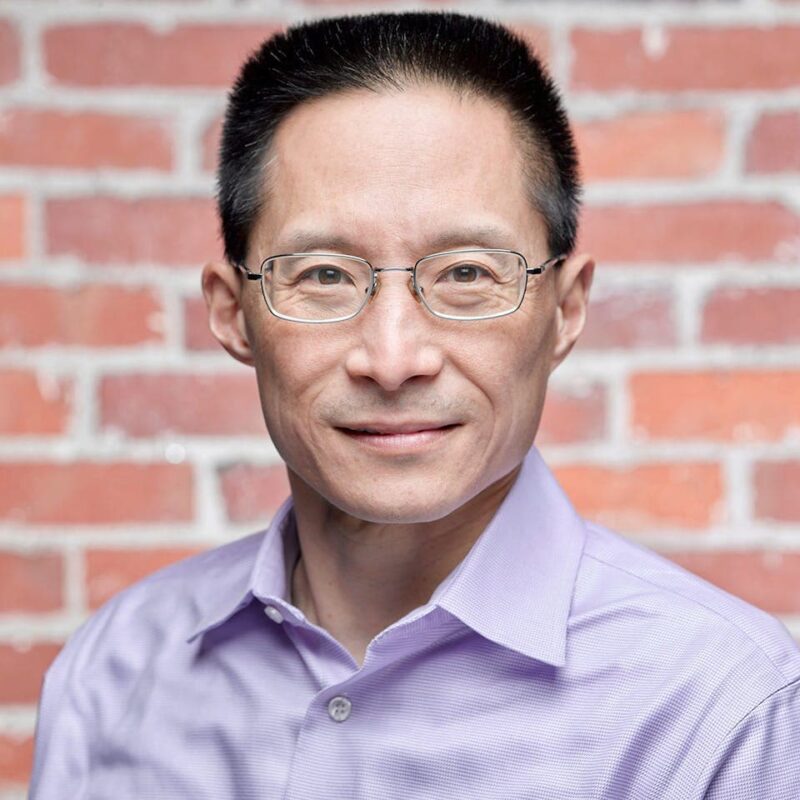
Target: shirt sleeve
{"points": [[761, 756], [65, 722], [61, 754]]}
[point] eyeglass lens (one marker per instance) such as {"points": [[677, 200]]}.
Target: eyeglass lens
{"points": [[462, 285]]}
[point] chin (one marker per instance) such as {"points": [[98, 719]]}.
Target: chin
{"points": [[403, 509]]}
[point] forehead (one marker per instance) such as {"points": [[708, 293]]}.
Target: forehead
{"points": [[394, 170]]}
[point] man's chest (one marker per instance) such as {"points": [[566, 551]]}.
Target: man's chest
{"points": [[462, 719]]}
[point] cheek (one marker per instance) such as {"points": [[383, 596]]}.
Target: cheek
{"points": [[507, 371], [520, 374], [283, 392], [525, 392], [274, 357], [293, 368]]}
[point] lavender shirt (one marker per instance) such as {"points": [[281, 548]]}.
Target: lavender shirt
{"points": [[558, 661]]}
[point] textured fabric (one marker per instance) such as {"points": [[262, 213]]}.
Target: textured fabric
{"points": [[558, 661]]}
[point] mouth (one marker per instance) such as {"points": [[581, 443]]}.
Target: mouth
{"points": [[406, 436], [396, 429]]}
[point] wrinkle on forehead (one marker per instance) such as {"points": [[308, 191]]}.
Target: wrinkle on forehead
{"points": [[408, 161]]}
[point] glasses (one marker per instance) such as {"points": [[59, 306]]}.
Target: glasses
{"points": [[457, 284]]}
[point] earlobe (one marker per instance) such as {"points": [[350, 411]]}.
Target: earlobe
{"points": [[222, 292], [573, 282]]}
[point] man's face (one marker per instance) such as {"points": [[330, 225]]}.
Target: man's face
{"points": [[396, 415]]}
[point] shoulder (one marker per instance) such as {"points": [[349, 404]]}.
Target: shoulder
{"points": [[164, 608], [685, 660], [112, 663], [683, 614]]}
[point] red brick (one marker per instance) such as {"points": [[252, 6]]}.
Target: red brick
{"points": [[776, 490], [21, 671], [121, 54], [84, 140], [12, 227], [95, 493], [9, 52], [211, 139], [752, 316], [167, 230], [704, 232], [707, 58], [39, 404], [774, 144], [769, 580], [100, 315], [16, 760], [32, 583], [647, 496], [573, 415], [629, 318], [677, 144], [152, 404], [253, 493], [735, 405], [197, 335], [111, 571]]}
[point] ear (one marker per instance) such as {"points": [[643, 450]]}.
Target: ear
{"points": [[222, 289], [573, 282]]}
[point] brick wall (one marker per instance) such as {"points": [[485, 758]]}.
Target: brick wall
{"points": [[128, 439]]}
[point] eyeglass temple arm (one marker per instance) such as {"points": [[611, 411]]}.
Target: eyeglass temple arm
{"points": [[555, 261], [251, 276]]}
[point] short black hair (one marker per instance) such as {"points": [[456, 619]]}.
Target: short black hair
{"points": [[394, 51]]}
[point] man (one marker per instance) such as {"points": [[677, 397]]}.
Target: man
{"points": [[427, 617]]}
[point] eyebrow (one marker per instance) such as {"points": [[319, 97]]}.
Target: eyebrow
{"points": [[483, 235], [486, 235]]}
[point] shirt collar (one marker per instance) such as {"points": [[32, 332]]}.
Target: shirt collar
{"points": [[250, 574], [514, 587]]}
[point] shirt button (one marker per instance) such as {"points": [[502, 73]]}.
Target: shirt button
{"points": [[339, 709], [273, 614]]}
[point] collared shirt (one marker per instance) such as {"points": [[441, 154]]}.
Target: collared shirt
{"points": [[557, 661]]}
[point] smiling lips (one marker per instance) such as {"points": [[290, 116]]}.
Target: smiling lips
{"points": [[398, 436], [395, 428]]}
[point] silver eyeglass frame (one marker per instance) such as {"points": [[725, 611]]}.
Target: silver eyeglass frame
{"points": [[371, 291]]}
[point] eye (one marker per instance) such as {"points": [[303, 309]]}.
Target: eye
{"points": [[329, 275], [326, 276], [465, 273]]}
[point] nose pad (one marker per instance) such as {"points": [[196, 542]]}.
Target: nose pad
{"points": [[376, 287]]}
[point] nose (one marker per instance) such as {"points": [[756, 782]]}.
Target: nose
{"points": [[396, 340]]}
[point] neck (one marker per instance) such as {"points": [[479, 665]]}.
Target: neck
{"points": [[355, 578]]}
